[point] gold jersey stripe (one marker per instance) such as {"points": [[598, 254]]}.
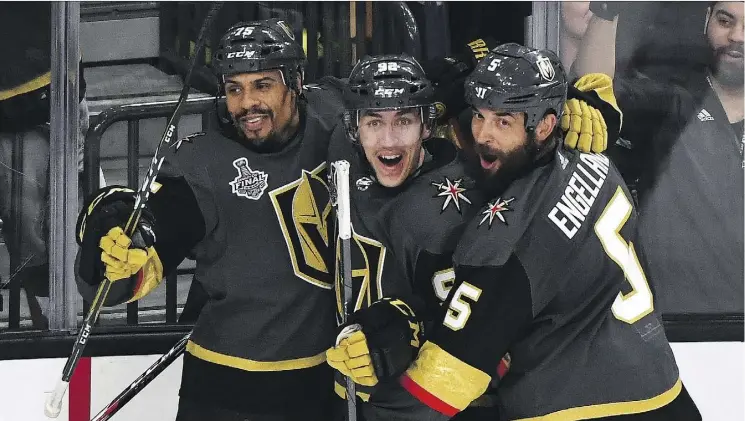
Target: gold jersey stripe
{"points": [[447, 378], [341, 391], [29, 86], [612, 409], [251, 365]]}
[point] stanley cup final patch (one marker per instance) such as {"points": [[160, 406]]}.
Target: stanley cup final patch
{"points": [[249, 183]]}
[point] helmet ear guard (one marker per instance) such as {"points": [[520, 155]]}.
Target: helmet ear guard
{"points": [[429, 120], [352, 125], [708, 16]]}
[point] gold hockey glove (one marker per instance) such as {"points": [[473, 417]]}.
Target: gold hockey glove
{"points": [[590, 106], [351, 356], [121, 261]]}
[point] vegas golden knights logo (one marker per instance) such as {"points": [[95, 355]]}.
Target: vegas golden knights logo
{"points": [[304, 212], [368, 259]]}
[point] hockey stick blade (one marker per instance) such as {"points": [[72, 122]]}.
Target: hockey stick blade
{"points": [[53, 404]]}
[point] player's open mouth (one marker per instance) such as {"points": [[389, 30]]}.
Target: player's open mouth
{"points": [[254, 122], [390, 166], [488, 162], [390, 161]]}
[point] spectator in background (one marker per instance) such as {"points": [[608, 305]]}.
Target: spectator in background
{"points": [[575, 15], [689, 137], [25, 77]]}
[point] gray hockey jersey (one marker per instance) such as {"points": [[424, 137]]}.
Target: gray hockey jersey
{"points": [[266, 259]]}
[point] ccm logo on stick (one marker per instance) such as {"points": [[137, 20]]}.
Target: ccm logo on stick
{"points": [[86, 333]]}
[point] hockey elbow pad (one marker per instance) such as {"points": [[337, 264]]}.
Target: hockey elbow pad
{"points": [[379, 343]]}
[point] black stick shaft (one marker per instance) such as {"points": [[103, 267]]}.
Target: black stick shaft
{"points": [[141, 382]]}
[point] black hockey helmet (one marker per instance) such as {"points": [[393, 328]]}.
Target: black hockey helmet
{"points": [[387, 82], [519, 79], [259, 46]]}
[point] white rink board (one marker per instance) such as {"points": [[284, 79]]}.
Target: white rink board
{"points": [[713, 373], [158, 401], [23, 383]]}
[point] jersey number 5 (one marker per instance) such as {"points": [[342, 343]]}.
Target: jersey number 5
{"points": [[638, 303], [459, 310]]}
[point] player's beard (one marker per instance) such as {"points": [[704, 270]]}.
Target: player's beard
{"points": [[277, 137], [514, 164], [728, 73]]}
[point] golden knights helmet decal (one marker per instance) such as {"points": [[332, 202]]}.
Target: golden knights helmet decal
{"points": [[303, 209], [368, 259]]}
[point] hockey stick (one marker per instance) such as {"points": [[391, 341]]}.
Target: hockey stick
{"points": [[141, 382], [53, 404], [340, 174]]}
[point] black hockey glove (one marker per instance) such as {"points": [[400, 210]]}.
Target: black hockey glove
{"points": [[379, 342], [448, 74], [105, 249]]}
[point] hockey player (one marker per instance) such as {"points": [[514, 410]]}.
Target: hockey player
{"points": [[411, 196], [252, 201], [548, 271]]}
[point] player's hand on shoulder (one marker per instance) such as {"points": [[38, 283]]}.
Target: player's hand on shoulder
{"points": [[591, 118], [105, 248], [378, 343]]}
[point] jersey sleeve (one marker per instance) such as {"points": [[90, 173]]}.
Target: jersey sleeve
{"points": [[645, 103], [182, 205], [186, 184], [488, 309], [463, 356], [179, 221]]}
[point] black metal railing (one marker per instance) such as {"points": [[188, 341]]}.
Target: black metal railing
{"points": [[334, 34], [14, 225], [133, 114]]}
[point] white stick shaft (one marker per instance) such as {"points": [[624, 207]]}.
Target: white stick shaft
{"points": [[342, 195]]}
